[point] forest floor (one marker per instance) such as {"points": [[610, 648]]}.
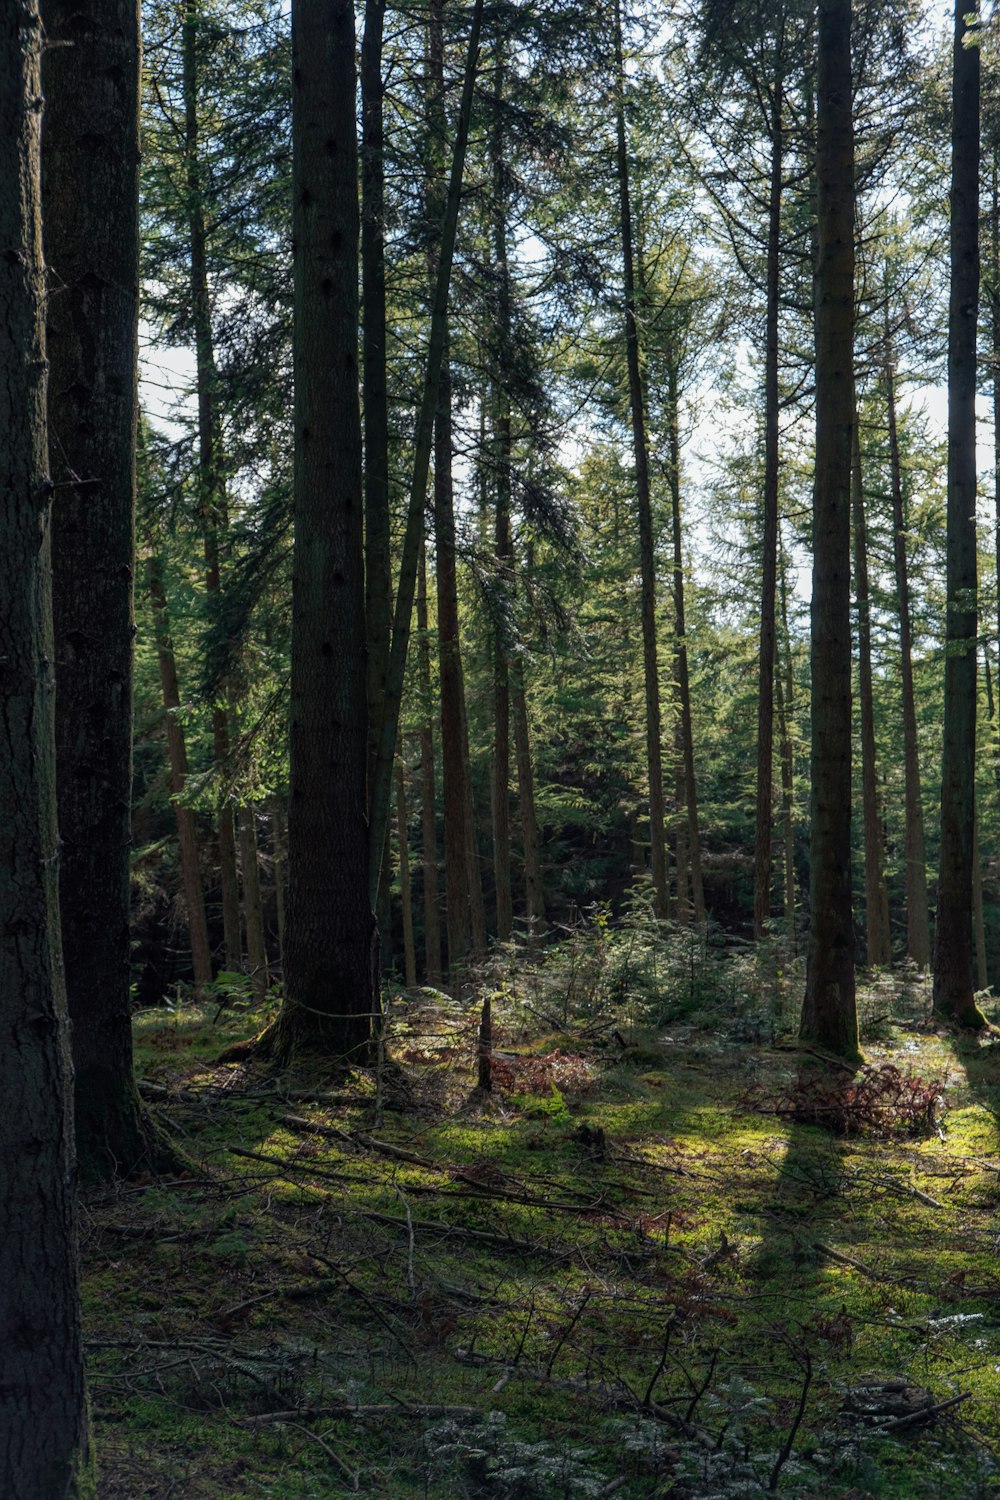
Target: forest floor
{"points": [[669, 1256]]}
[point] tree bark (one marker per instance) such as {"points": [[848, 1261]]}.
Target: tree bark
{"points": [[644, 506], [278, 849], [406, 899], [212, 502], [253, 910], [428, 793], [331, 960], [769, 535], [187, 831], [90, 191], [918, 941], [534, 886], [44, 1450], [829, 1011], [954, 985], [876, 895]]}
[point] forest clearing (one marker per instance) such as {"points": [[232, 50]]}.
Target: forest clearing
{"points": [[636, 1270]]}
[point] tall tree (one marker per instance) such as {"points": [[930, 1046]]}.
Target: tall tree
{"points": [[829, 1011], [331, 979], [43, 1415], [954, 983], [90, 164], [644, 503]]}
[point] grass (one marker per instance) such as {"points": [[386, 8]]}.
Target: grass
{"points": [[631, 1273]]}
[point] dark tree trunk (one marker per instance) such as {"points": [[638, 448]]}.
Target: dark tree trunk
{"points": [[534, 887], [331, 965], [918, 941], [187, 831], [644, 505], [769, 536], [278, 855], [876, 896], [406, 900], [43, 1415], [954, 984], [428, 794], [253, 909], [829, 1012], [90, 190], [212, 503]]}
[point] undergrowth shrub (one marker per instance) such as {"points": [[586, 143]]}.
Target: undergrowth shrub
{"points": [[880, 1101]]}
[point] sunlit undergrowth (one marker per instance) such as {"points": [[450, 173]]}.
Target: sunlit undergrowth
{"points": [[634, 1270]]}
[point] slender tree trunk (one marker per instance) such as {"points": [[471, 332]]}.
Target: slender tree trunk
{"points": [[954, 986], [783, 703], [428, 793], [90, 191], [829, 1012], [647, 560], [876, 895], [918, 942], [331, 954], [477, 907], [409, 948], [278, 847], [187, 831], [680, 649], [253, 909], [43, 1413], [504, 550], [378, 583], [422, 447], [534, 886], [979, 918], [211, 483], [769, 535]]}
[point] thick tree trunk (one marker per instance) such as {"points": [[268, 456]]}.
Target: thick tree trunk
{"points": [[90, 191], [43, 1413], [212, 504], [187, 832], [918, 941], [769, 536], [644, 505], [829, 1012], [378, 582], [331, 960], [253, 910], [954, 985], [876, 895], [428, 793], [680, 653], [278, 851], [406, 898]]}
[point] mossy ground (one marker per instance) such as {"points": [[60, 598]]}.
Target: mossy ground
{"points": [[645, 1307]]}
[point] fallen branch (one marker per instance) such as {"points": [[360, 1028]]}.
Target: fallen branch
{"points": [[339, 1412]]}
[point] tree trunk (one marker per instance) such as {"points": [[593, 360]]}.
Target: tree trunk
{"points": [[90, 191], [253, 910], [43, 1414], [769, 536], [534, 887], [680, 649], [428, 793], [331, 959], [979, 918], [278, 847], [409, 948], [378, 582], [918, 941], [422, 447], [500, 400], [954, 985], [212, 504], [187, 831], [829, 1012], [640, 445], [876, 896]]}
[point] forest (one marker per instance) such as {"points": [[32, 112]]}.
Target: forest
{"points": [[499, 749]]}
